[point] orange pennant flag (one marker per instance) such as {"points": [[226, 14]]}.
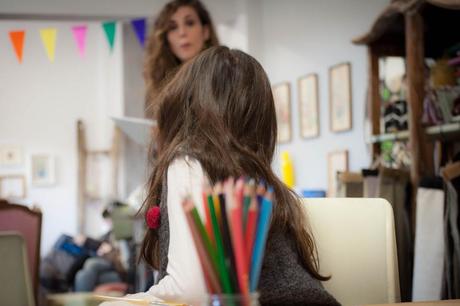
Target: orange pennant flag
{"points": [[17, 39]]}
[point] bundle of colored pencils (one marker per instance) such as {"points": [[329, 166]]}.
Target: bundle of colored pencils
{"points": [[230, 241]]}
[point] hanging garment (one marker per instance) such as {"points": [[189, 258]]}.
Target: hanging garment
{"points": [[429, 241], [451, 282], [394, 186]]}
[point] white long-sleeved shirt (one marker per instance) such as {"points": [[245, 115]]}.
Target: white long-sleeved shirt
{"points": [[184, 281]]}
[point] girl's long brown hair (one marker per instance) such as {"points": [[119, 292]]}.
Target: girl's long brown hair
{"points": [[160, 61], [219, 109]]}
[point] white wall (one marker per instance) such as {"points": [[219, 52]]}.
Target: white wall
{"points": [[40, 103], [296, 37]]}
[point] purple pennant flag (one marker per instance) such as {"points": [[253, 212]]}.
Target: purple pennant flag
{"points": [[139, 28]]}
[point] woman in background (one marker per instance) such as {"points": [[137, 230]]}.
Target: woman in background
{"points": [[182, 30]]}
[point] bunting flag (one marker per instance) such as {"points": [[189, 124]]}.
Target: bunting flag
{"points": [[139, 29], [17, 39], [79, 33], [49, 41], [109, 29]]}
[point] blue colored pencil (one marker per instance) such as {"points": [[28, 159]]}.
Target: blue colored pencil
{"points": [[263, 226]]}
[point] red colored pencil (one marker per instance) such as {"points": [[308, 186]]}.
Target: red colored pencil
{"points": [[251, 227]]}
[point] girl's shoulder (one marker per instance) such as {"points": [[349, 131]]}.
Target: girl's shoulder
{"points": [[184, 162]]}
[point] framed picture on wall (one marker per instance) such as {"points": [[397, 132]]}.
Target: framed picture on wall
{"points": [[282, 97], [10, 155], [337, 161], [340, 106], [43, 170], [12, 187], [308, 106]]}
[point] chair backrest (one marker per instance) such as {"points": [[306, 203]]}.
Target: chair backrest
{"points": [[356, 245], [16, 287], [28, 222]]}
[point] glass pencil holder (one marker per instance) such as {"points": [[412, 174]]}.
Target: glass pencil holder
{"points": [[235, 299]]}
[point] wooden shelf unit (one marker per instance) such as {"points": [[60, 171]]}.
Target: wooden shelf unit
{"points": [[414, 29]]}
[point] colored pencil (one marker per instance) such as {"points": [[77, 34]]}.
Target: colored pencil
{"points": [[226, 238], [251, 226], [248, 189], [261, 237], [205, 261], [208, 222], [226, 286], [206, 241], [236, 218]]}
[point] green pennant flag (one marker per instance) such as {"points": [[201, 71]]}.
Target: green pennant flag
{"points": [[109, 29]]}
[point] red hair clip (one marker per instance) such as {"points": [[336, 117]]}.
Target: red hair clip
{"points": [[153, 217]]}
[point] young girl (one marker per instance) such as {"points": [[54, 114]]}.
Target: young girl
{"points": [[217, 119], [182, 30]]}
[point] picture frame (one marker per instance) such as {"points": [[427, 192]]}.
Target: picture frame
{"points": [[11, 155], [43, 170], [282, 99], [340, 97], [308, 106], [13, 186], [337, 161]]}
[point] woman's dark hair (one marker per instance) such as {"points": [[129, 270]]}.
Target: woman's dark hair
{"points": [[219, 109]]}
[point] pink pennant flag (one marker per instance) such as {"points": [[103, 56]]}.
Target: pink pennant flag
{"points": [[79, 33]]}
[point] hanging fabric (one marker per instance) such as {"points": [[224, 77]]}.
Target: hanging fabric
{"points": [[429, 241], [394, 186]]}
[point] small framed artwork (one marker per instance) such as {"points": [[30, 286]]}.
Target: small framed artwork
{"points": [[43, 170], [308, 106], [12, 187], [340, 106], [282, 98], [10, 155], [337, 161]]}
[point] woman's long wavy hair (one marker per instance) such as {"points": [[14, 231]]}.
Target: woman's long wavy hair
{"points": [[219, 109], [160, 61]]}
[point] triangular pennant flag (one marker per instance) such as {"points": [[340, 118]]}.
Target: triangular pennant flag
{"points": [[17, 39], [79, 33], [109, 28], [139, 29], [49, 41]]}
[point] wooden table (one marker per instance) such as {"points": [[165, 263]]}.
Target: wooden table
{"points": [[74, 299], [432, 303]]}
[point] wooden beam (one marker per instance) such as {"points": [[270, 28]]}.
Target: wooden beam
{"points": [[416, 89], [374, 98]]}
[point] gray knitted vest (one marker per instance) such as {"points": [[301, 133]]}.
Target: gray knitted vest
{"points": [[283, 280]]}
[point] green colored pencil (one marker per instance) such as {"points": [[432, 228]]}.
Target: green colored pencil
{"points": [[226, 286]]}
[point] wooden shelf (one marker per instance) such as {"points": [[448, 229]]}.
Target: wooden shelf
{"points": [[434, 132]]}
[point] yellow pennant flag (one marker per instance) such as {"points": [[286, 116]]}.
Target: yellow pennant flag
{"points": [[49, 41]]}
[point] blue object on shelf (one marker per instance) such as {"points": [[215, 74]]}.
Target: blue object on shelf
{"points": [[309, 193]]}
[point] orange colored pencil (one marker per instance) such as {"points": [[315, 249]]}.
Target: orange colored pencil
{"points": [[236, 213]]}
